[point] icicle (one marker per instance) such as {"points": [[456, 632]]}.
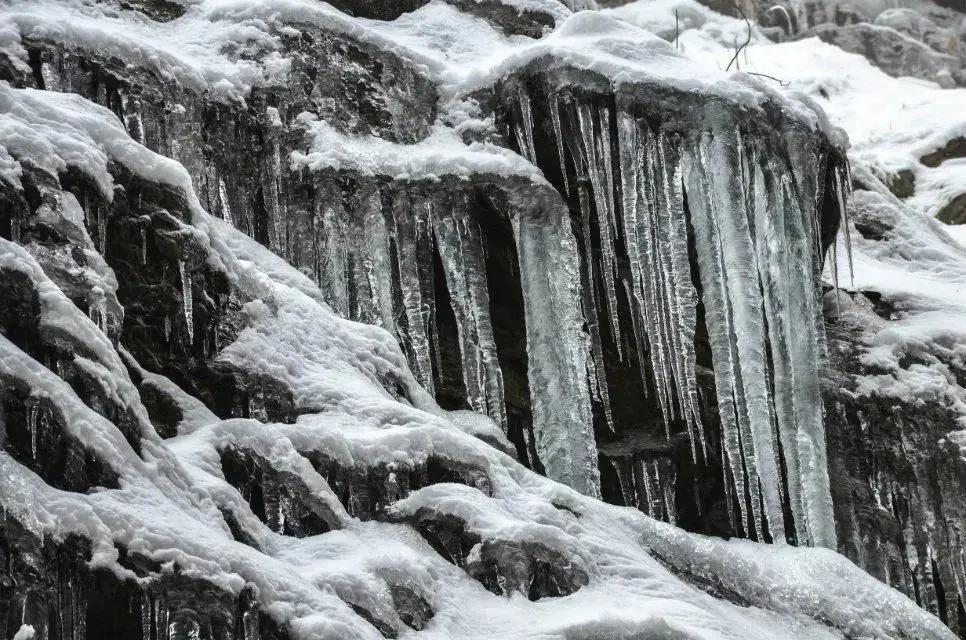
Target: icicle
{"points": [[656, 236], [425, 247], [102, 229], [667, 493], [378, 269], [51, 77], [525, 131], [626, 483], [33, 412], [601, 177], [223, 202], [645, 480], [843, 191], [596, 362], [558, 137], [681, 298], [333, 256], [405, 221], [715, 292], [642, 228], [461, 249], [728, 484], [133, 120], [186, 299], [556, 343], [97, 308], [144, 245]]}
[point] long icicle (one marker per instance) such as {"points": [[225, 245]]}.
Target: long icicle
{"points": [[598, 181]]}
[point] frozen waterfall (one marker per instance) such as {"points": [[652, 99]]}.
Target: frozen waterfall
{"points": [[751, 218]]}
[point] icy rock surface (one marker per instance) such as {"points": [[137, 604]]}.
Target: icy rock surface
{"points": [[293, 310]]}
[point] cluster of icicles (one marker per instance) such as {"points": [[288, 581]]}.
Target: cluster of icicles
{"points": [[755, 220], [753, 214]]}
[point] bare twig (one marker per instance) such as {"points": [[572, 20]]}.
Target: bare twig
{"points": [[747, 40], [783, 83]]}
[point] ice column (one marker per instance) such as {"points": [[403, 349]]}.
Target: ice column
{"points": [[556, 344]]}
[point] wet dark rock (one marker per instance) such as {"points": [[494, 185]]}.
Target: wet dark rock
{"points": [[367, 492], [412, 608], [164, 413], [954, 212], [238, 532], [504, 567], [955, 148], [893, 470], [528, 568], [280, 499], [385, 628], [34, 433], [160, 10], [512, 20], [49, 585], [903, 184]]}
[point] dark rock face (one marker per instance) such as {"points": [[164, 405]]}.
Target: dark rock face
{"points": [[895, 472], [504, 567], [367, 493], [955, 148], [51, 586], [895, 467], [279, 499]]}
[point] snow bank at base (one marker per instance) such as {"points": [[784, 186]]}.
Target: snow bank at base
{"points": [[169, 504]]}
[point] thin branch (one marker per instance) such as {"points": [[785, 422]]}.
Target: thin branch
{"points": [[747, 40], [783, 83]]}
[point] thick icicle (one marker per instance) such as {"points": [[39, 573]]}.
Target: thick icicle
{"points": [[715, 292], [333, 259], [33, 411], [224, 204], [186, 299], [681, 296], [843, 183], [461, 250], [405, 221], [378, 269], [720, 159], [556, 347]]}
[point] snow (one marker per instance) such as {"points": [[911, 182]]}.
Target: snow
{"points": [[440, 154]]}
